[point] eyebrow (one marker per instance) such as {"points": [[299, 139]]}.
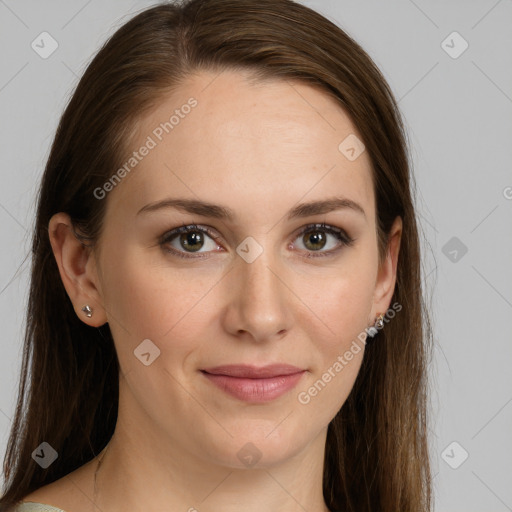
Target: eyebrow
{"points": [[206, 209]]}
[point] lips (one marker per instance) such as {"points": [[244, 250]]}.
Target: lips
{"points": [[254, 372], [255, 384]]}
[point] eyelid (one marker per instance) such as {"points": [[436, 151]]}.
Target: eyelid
{"points": [[343, 238], [326, 227], [168, 236]]}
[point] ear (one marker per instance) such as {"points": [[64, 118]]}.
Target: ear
{"points": [[77, 268], [386, 277]]}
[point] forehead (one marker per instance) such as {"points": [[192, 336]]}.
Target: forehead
{"points": [[221, 137]]}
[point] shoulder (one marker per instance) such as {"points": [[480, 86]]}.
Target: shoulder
{"points": [[68, 494], [31, 506]]}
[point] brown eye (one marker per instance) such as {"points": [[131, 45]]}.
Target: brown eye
{"points": [[314, 240], [192, 240], [315, 237], [189, 240]]}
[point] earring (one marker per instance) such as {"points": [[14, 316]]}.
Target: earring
{"points": [[379, 324], [87, 310]]}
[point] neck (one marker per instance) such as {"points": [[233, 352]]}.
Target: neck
{"points": [[136, 473]]}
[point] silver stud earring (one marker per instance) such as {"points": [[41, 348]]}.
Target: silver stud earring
{"points": [[87, 310], [379, 324]]}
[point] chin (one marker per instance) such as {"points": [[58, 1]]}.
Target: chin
{"points": [[258, 444]]}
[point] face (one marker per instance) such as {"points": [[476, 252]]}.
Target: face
{"points": [[269, 284]]}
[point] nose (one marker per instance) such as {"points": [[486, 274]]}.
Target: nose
{"points": [[260, 303]]}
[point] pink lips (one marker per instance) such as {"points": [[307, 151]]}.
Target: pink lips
{"points": [[254, 384]]}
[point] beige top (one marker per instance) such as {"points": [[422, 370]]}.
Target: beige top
{"points": [[32, 506]]}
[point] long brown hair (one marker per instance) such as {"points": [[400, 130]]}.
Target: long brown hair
{"points": [[376, 456]]}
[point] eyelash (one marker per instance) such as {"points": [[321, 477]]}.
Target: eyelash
{"points": [[343, 238]]}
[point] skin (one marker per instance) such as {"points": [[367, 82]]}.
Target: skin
{"points": [[258, 149]]}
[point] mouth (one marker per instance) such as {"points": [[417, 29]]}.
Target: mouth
{"points": [[255, 384]]}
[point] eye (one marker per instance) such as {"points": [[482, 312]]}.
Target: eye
{"points": [[188, 237], [186, 240], [315, 237]]}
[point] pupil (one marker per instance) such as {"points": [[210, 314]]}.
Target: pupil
{"points": [[189, 240], [317, 238]]}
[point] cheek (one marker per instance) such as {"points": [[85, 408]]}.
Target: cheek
{"points": [[341, 303], [145, 299], [339, 316]]}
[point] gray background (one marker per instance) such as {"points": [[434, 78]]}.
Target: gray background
{"points": [[458, 113]]}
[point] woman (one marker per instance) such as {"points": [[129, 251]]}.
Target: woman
{"points": [[260, 136]]}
